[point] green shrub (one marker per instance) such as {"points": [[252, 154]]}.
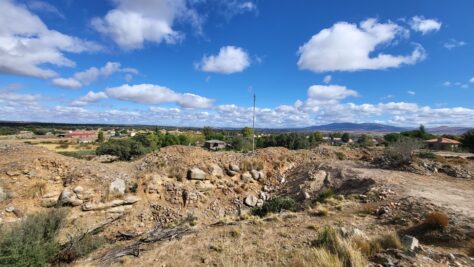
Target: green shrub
{"points": [[31, 242], [340, 156], [124, 149], [275, 205], [325, 194]]}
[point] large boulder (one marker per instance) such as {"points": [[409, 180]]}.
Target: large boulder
{"points": [[250, 200], [68, 198], [196, 174], [216, 171], [234, 167], [117, 187]]}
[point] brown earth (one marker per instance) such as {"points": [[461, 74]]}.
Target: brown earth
{"points": [[225, 233]]}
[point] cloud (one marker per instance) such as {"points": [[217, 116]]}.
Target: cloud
{"points": [[9, 95], [348, 47], [156, 94], [27, 44], [91, 75], [70, 83], [453, 43], [41, 6], [230, 60], [329, 92], [327, 79], [420, 24], [471, 80], [90, 97], [132, 23], [411, 92]]}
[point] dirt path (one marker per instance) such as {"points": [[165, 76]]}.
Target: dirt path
{"points": [[456, 194]]}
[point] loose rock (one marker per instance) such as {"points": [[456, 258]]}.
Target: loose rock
{"points": [[251, 200], [196, 174], [117, 187]]}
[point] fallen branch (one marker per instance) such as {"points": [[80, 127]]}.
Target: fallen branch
{"points": [[154, 236]]}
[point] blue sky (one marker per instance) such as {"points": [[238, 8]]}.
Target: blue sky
{"points": [[197, 62]]}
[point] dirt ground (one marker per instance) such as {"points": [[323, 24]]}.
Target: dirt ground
{"points": [[372, 200]]}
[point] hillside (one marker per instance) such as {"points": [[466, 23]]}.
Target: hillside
{"points": [[185, 206]]}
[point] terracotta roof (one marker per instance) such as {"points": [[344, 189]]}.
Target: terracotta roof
{"points": [[443, 141]]}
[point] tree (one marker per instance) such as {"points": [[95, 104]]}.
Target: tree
{"points": [[365, 140], [100, 137], [148, 140], [317, 137], [208, 132], [468, 140], [345, 137], [392, 137], [124, 149], [247, 132]]}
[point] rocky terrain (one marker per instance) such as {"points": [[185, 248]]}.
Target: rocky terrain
{"points": [[185, 206]]}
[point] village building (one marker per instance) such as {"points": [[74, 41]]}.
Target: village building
{"points": [[215, 144], [443, 144], [82, 136]]}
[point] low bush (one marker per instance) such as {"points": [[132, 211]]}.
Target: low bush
{"points": [[275, 205], [325, 194], [436, 220], [400, 153], [79, 247], [340, 156], [31, 242]]}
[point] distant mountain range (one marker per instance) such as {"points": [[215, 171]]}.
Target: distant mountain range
{"points": [[374, 128]]}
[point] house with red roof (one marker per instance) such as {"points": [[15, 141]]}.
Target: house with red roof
{"points": [[443, 144]]}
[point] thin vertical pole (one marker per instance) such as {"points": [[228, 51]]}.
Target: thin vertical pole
{"points": [[253, 125]]}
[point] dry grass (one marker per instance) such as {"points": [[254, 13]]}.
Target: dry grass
{"points": [[37, 190], [315, 257], [370, 247], [329, 239], [251, 164], [368, 208], [470, 248]]}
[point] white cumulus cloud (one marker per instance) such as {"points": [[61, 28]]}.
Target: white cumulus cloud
{"points": [[132, 23], [90, 75], [230, 59], [348, 47], [420, 24], [156, 94], [90, 97], [26, 43]]}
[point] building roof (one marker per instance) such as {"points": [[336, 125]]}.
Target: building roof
{"points": [[443, 141], [215, 141]]}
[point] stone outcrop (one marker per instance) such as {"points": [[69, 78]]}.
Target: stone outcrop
{"points": [[114, 203]]}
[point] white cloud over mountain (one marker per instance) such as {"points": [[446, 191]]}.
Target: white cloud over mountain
{"points": [[350, 47], [26, 43], [230, 59]]}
